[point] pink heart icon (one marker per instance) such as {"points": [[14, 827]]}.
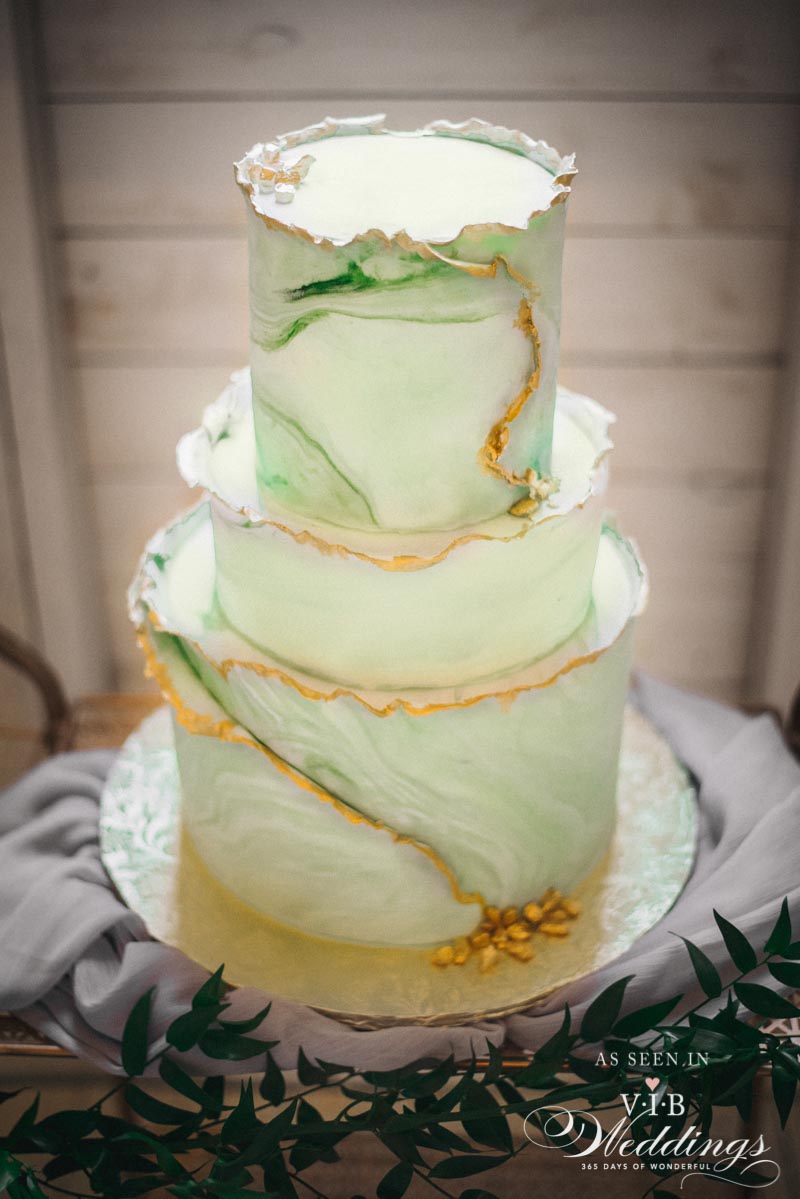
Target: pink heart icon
{"points": [[652, 1083]]}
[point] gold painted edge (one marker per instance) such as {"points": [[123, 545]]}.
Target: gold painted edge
{"points": [[142, 612], [228, 730], [404, 562], [685, 796]]}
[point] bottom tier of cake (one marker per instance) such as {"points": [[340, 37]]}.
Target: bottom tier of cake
{"points": [[378, 818]]}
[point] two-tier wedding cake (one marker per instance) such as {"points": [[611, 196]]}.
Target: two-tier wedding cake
{"points": [[396, 630]]}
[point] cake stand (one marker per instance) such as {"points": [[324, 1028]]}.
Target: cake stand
{"points": [[156, 870]]}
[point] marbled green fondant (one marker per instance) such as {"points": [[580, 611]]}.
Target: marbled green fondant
{"points": [[264, 837], [315, 606], [375, 388], [514, 794], [379, 370]]}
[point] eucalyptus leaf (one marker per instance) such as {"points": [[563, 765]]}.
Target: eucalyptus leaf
{"points": [[10, 1169], [27, 1186], [214, 1087], [508, 1091], [307, 1153], [555, 1049], [248, 1025], [395, 1184], [586, 1068], [742, 1078], [646, 1018], [132, 1187], [444, 1139], [463, 1167], [401, 1144], [787, 973], [476, 1194], [744, 1101], [332, 1068], [27, 1118], [57, 1167], [538, 1074], [763, 1001], [596, 1092], [185, 1031], [309, 1074], [222, 1191], [742, 953], [242, 1120], [177, 1078], [602, 1013], [449, 1096], [490, 1127], [784, 1090], [431, 1081], [708, 1040], [780, 938], [789, 1060], [134, 1036], [69, 1125], [394, 1078], [494, 1068], [705, 970], [272, 1086], [212, 991], [265, 1143], [230, 1047], [277, 1183], [155, 1111]]}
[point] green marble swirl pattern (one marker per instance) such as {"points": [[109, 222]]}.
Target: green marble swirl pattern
{"points": [[393, 611], [379, 373], [512, 792]]}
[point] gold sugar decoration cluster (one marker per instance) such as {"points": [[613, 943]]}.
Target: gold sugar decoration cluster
{"points": [[267, 174], [510, 931], [539, 489]]}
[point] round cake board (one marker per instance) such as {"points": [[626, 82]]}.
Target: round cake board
{"points": [[159, 875]]}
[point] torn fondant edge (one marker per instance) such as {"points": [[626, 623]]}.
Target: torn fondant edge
{"points": [[561, 167], [144, 613], [195, 463]]}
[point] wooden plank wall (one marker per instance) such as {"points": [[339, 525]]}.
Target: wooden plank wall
{"points": [[685, 122]]}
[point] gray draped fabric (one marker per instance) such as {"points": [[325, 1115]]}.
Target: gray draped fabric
{"points": [[73, 958]]}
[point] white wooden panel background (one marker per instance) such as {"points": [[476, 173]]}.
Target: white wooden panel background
{"points": [[685, 121]]}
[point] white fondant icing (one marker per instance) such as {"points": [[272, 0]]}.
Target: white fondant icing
{"points": [[430, 186]]}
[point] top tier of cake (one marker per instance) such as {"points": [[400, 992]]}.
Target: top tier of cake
{"points": [[405, 302]]}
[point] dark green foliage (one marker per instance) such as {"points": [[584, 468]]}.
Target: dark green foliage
{"points": [[272, 1086], [780, 938], [636, 1023], [787, 973], [706, 971], [763, 1001], [442, 1121], [134, 1036], [395, 1184], [249, 1025], [179, 1080], [186, 1030], [601, 1014], [742, 953]]}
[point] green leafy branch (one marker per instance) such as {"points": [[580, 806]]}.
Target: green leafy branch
{"points": [[442, 1122]]}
